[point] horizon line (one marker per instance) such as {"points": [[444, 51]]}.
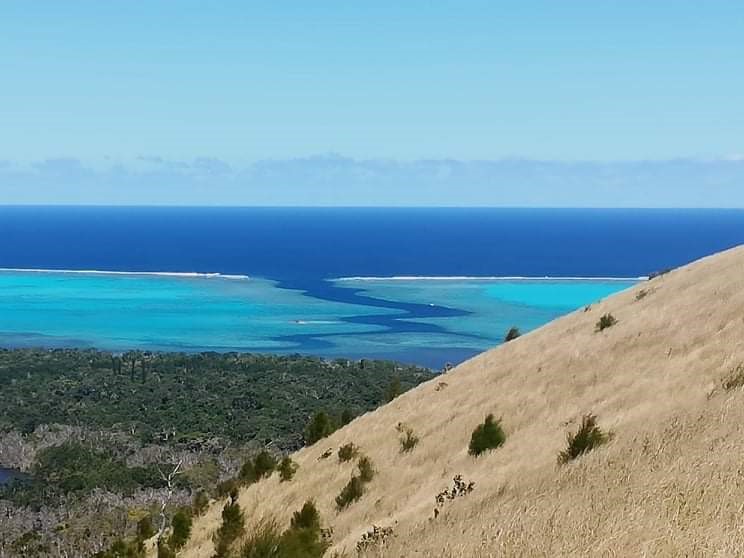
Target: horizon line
{"points": [[288, 206]]}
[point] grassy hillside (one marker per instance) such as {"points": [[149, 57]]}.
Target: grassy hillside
{"points": [[662, 382]]}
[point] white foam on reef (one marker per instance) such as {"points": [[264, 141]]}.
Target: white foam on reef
{"points": [[487, 278], [186, 274]]}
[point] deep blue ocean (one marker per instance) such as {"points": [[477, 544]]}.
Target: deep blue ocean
{"points": [[292, 257]]}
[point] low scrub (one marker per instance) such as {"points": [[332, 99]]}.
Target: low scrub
{"points": [[366, 470], [735, 378], [374, 539], [303, 539], [486, 436], [347, 452], [607, 320], [355, 488], [588, 437], [459, 488], [320, 426], [350, 493], [512, 334], [233, 526], [258, 468], [180, 529], [287, 469], [200, 502], [408, 440]]}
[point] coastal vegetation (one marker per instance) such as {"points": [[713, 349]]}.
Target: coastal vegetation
{"points": [[177, 398], [156, 436]]}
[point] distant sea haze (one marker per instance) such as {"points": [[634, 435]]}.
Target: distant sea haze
{"points": [[336, 282]]}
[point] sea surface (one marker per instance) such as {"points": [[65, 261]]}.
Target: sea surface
{"points": [[428, 286]]}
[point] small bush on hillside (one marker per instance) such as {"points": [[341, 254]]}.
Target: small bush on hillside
{"points": [[225, 487], [200, 502], [287, 469], [320, 426], [366, 470], [512, 334], [408, 441], [307, 518], [264, 464], [486, 436], [735, 379], [350, 493], [145, 530], [586, 438], [608, 320], [347, 452], [247, 474], [233, 526], [640, 295], [253, 470], [303, 539], [181, 529]]}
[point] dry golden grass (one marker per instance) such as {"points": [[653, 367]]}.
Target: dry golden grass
{"points": [[669, 483]]}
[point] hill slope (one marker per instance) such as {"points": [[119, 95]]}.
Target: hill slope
{"points": [[670, 482]]}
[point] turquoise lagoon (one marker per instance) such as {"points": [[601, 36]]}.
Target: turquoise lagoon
{"points": [[494, 304], [191, 312]]}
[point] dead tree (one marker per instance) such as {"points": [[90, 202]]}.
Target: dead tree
{"points": [[169, 478]]}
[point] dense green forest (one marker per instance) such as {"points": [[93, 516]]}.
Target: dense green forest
{"points": [[186, 398], [96, 433]]}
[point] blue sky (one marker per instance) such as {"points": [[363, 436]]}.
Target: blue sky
{"points": [[187, 97]]}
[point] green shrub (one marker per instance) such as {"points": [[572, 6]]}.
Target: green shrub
{"points": [[408, 441], [287, 469], [486, 436], [588, 437], [233, 526], [227, 488], [302, 539], [264, 464], [607, 320], [145, 530], [346, 417], [350, 493], [366, 470], [512, 334], [200, 502], [347, 452], [320, 426], [181, 526], [261, 466], [307, 518], [247, 474], [393, 390], [301, 543]]}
